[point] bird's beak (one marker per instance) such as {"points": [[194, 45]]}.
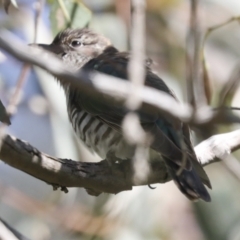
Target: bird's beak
{"points": [[49, 47]]}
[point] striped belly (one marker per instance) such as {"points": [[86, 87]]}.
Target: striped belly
{"points": [[97, 135]]}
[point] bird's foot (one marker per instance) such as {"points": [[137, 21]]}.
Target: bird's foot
{"points": [[56, 187], [112, 159], [151, 187]]}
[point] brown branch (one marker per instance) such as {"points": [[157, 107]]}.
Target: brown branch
{"points": [[195, 81], [104, 176], [192, 51]]}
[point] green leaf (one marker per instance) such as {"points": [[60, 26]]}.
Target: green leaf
{"points": [[3, 114], [68, 13]]}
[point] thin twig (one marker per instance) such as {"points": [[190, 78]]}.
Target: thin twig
{"points": [[214, 28], [191, 52], [73, 13], [64, 10], [195, 85], [228, 86], [136, 66], [227, 108], [136, 73], [39, 7], [12, 107]]}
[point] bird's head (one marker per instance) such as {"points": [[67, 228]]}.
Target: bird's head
{"points": [[76, 47]]}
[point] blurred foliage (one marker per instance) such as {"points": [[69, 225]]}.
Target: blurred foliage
{"points": [[7, 3], [39, 213], [68, 13], [160, 6], [228, 90]]}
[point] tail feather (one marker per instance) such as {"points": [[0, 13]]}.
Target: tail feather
{"points": [[201, 173], [189, 182]]}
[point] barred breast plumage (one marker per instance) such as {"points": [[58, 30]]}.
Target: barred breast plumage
{"points": [[97, 136]]}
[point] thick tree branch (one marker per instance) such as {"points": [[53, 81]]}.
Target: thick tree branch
{"points": [[217, 147], [103, 176]]}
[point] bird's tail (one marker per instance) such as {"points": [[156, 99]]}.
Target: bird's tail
{"points": [[189, 181]]}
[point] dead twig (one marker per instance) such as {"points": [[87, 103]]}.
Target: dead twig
{"points": [[230, 85], [8, 233], [101, 176], [12, 107], [132, 128], [39, 7]]}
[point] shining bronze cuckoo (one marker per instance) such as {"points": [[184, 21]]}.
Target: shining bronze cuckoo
{"points": [[99, 123]]}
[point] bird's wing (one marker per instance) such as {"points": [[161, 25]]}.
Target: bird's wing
{"points": [[114, 63], [171, 137]]}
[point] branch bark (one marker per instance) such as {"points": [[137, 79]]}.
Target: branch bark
{"points": [[105, 176]]}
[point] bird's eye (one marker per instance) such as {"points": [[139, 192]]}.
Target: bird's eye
{"points": [[76, 43]]}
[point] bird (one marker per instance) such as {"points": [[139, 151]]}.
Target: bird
{"points": [[99, 123]]}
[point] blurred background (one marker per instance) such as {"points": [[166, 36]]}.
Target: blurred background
{"points": [[38, 212]]}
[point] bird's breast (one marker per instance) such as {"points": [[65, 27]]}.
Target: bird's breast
{"points": [[97, 135]]}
